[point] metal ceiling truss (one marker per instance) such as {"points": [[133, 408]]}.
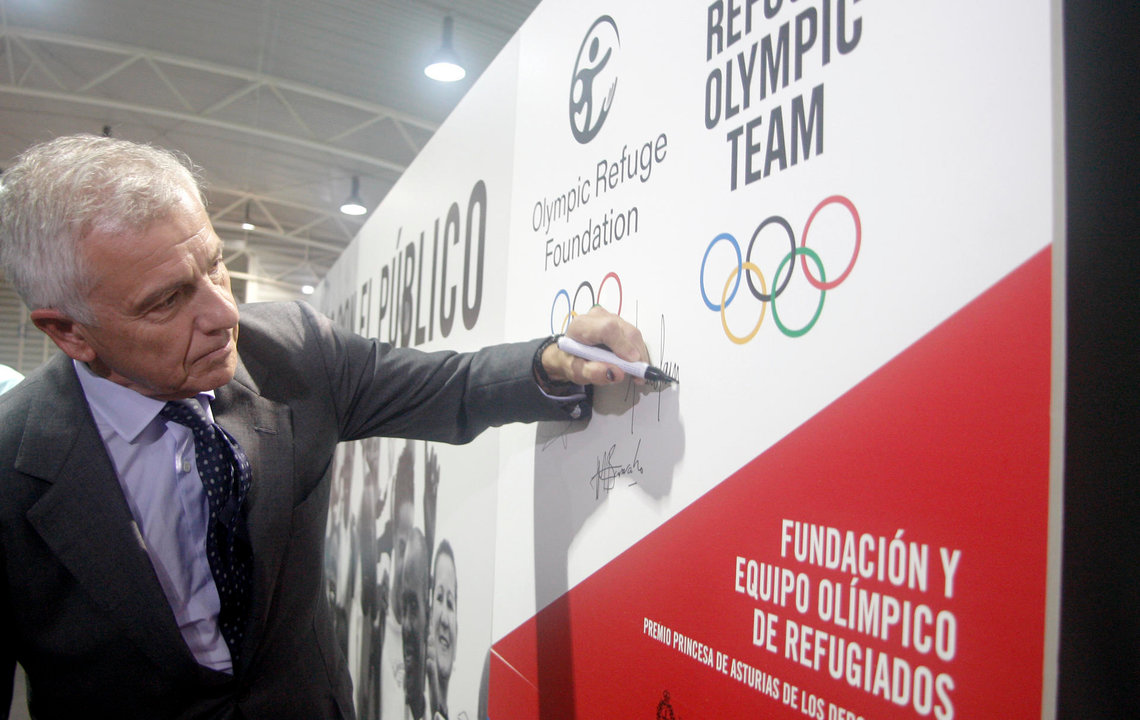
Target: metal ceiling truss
{"points": [[46, 66], [23, 81]]}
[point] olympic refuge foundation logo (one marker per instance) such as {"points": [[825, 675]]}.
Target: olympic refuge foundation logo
{"points": [[594, 80], [723, 296]]}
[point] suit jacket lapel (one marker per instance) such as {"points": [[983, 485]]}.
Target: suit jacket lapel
{"points": [[264, 429], [85, 520]]}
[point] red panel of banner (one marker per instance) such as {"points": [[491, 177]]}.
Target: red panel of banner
{"points": [[887, 559]]}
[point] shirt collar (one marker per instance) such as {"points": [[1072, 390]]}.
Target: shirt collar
{"points": [[126, 411]]}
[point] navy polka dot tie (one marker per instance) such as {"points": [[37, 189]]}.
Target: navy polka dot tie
{"points": [[225, 473]]}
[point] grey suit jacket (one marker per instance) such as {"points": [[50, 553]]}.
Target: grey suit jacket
{"points": [[80, 605]]}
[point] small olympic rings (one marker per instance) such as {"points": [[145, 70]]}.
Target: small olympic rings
{"points": [[566, 316], [784, 271], [559, 321]]}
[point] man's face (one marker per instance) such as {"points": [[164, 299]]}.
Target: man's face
{"points": [[443, 626], [166, 318]]}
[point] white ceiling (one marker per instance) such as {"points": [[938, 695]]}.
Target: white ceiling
{"points": [[281, 102]]}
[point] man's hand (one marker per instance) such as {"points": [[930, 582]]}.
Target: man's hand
{"points": [[597, 327]]}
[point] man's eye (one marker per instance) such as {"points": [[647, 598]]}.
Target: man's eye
{"points": [[167, 302]]}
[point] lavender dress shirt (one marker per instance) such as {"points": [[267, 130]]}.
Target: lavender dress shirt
{"points": [[155, 464]]}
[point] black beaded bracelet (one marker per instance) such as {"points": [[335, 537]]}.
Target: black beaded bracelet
{"points": [[549, 385], [539, 371]]}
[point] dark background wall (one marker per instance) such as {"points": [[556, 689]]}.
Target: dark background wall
{"points": [[1100, 595]]}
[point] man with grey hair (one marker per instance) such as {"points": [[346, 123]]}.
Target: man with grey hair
{"points": [[164, 482]]}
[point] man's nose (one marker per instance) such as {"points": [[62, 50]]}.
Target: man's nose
{"points": [[218, 310]]}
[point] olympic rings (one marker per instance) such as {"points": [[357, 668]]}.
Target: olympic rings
{"points": [[764, 296], [569, 311], [819, 309], [746, 266], [572, 305], [621, 294], [763, 306], [736, 247], [854, 255], [586, 285]]}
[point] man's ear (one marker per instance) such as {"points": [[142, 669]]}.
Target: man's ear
{"points": [[68, 334]]}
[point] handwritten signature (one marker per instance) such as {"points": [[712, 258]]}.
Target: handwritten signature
{"points": [[608, 473]]}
